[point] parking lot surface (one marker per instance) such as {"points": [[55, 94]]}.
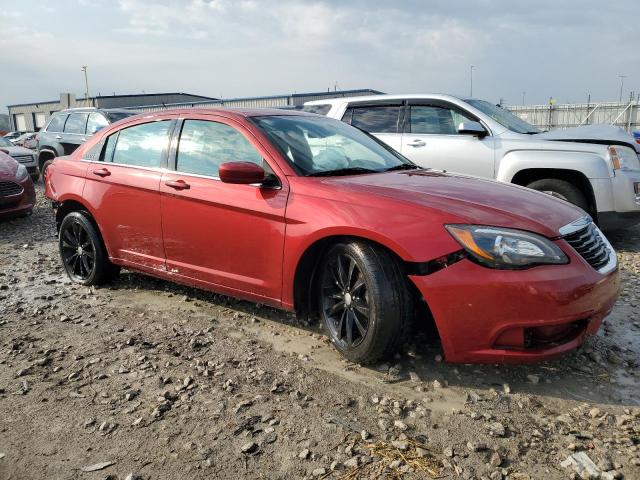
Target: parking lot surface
{"points": [[146, 379]]}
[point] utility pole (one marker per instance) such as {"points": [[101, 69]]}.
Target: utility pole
{"points": [[523, 94], [621, 77], [471, 78], [86, 83]]}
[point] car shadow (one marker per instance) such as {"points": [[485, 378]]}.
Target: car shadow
{"points": [[595, 373]]}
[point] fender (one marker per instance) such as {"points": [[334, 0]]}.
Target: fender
{"points": [[592, 165]]}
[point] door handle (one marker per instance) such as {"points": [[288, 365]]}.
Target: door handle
{"points": [[58, 137], [102, 172], [178, 184], [417, 143], [83, 140]]}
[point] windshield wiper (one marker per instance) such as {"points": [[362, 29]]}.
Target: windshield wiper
{"points": [[403, 166], [343, 171]]}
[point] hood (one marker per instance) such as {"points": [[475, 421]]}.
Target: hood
{"points": [[469, 200], [8, 167], [16, 151], [603, 134]]}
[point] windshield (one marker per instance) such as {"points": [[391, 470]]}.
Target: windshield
{"points": [[5, 143], [503, 117], [317, 146]]}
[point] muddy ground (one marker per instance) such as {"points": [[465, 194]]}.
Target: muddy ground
{"points": [[146, 379]]}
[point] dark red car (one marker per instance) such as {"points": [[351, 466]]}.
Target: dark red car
{"points": [[309, 214], [17, 194]]}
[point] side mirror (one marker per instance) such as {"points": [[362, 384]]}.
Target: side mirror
{"points": [[241, 173], [472, 128]]}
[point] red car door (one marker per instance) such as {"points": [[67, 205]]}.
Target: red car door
{"points": [[227, 235], [123, 187]]}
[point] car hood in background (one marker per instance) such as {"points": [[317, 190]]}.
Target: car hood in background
{"points": [[469, 200], [602, 134], [17, 151]]}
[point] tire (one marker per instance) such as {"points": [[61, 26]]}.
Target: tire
{"points": [[364, 301], [35, 177], [45, 165], [82, 251], [563, 190]]}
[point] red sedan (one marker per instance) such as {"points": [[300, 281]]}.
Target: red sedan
{"points": [[312, 215], [17, 195]]}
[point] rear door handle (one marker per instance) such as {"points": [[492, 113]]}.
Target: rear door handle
{"points": [[58, 137], [178, 184], [102, 172], [417, 143]]}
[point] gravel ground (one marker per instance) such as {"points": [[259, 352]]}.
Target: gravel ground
{"points": [[145, 379]]}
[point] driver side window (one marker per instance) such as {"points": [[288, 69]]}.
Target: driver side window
{"points": [[434, 120]]}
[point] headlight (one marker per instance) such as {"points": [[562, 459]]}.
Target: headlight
{"points": [[506, 248], [21, 173], [623, 158]]}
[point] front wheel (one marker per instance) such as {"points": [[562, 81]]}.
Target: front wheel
{"points": [[364, 301], [82, 251], [561, 189]]}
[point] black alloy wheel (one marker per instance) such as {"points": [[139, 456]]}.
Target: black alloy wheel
{"points": [[345, 301], [364, 300]]}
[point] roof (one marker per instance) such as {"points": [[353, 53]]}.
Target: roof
{"points": [[225, 112], [378, 98], [116, 96]]}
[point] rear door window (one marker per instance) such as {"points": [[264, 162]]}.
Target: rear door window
{"points": [[57, 123], [76, 123], [375, 119], [142, 145], [205, 145], [95, 123]]}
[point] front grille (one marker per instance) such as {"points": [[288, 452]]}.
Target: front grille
{"points": [[8, 189], [588, 242], [23, 158]]}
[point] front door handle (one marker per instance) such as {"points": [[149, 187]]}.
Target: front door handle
{"points": [[417, 143], [58, 137], [178, 184], [102, 172]]}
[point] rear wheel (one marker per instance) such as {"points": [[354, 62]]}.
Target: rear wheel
{"points": [[82, 251], [364, 301], [561, 189]]}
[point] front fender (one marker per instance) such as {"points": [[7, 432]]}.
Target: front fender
{"points": [[591, 165]]}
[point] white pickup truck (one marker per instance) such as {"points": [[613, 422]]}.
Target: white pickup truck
{"points": [[596, 167]]}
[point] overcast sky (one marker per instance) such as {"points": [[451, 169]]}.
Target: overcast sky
{"points": [[224, 48]]}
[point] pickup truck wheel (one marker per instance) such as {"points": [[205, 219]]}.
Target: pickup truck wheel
{"points": [[561, 189], [364, 301]]}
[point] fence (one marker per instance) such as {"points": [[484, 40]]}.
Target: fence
{"points": [[625, 115]]}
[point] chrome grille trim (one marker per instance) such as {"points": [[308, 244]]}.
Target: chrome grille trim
{"points": [[9, 189], [591, 244]]}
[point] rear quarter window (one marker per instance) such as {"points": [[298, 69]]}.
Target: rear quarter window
{"points": [[57, 123]]}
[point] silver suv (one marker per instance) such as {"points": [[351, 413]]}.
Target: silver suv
{"points": [[595, 167], [70, 128]]}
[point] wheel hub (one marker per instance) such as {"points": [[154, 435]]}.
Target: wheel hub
{"points": [[79, 251], [347, 299]]}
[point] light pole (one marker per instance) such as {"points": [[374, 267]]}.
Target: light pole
{"points": [[86, 83], [471, 78], [523, 94], [621, 77]]}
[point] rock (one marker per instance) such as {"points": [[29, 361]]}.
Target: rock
{"points": [[97, 466], [133, 476], [594, 412], [304, 454], [437, 384], [383, 424], [476, 446], [448, 452], [319, 472], [248, 448], [495, 460], [23, 371], [496, 429], [421, 452], [400, 444], [496, 475], [415, 377], [535, 379], [364, 435], [351, 463], [400, 425], [582, 465]]}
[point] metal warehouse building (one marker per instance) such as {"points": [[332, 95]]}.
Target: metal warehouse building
{"points": [[33, 116]]}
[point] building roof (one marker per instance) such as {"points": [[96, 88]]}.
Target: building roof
{"points": [[98, 97]]}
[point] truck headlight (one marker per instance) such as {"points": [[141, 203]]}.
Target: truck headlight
{"points": [[21, 173], [623, 158], [506, 248]]}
